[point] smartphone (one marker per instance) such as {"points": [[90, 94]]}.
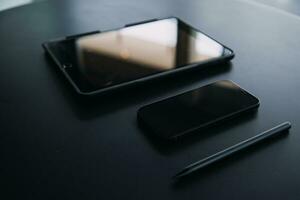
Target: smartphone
{"points": [[199, 108], [99, 62]]}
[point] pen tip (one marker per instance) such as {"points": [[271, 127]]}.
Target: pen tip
{"points": [[182, 173], [176, 177]]}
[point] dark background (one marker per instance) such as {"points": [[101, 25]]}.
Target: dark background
{"points": [[55, 145]]}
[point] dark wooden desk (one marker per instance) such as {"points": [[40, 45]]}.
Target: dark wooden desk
{"points": [[54, 145]]}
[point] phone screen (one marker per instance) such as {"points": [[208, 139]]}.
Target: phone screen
{"points": [[186, 112], [110, 58]]}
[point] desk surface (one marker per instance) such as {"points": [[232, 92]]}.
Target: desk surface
{"points": [[54, 145]]}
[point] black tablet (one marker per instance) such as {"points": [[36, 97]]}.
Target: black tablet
{"points": [[99, 62]]}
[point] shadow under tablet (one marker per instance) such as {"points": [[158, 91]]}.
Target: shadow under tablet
{"points": [[87, 108]]}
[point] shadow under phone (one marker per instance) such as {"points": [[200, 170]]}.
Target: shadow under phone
{"points": [[167, 147]]}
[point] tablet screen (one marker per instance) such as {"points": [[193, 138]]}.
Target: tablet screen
{"points": [[110, 58]]}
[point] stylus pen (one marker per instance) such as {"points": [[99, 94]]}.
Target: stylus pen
{"points": [[279, 129]]}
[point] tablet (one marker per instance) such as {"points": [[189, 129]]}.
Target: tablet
{"points": [[98, 62]]}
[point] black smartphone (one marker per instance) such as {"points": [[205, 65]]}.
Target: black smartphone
{"points": [[190, 111], [98, 62]]}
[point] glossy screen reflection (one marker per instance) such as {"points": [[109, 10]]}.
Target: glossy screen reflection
{"points": [[114, 57]]}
